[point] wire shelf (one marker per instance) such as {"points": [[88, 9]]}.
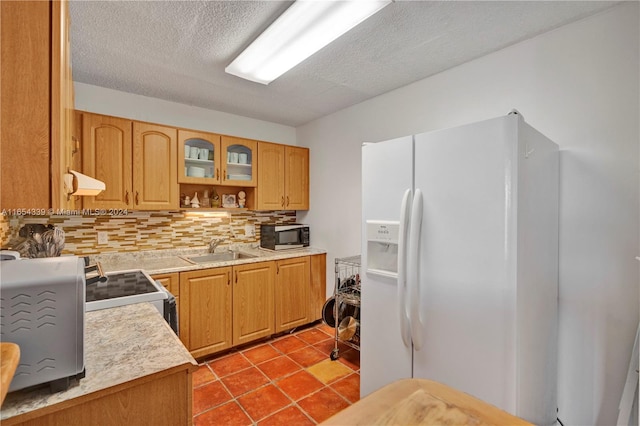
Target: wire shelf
{"points": [[346, 299]]}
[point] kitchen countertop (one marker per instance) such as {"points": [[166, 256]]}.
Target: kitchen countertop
{"points": [[172, 260], [117, 339], [122, 344]]}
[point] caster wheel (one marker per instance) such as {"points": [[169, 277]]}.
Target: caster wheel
{"points": [[334, 355]]}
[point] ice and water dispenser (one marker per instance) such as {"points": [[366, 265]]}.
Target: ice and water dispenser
{"points": [[382, 247]]}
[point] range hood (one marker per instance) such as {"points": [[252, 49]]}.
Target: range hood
{"points": [[76, 183]]}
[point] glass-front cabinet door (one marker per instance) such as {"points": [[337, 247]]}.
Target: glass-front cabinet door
{"points": [[239, 157], [199, 159]]}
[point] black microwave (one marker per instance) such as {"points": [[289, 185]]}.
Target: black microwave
{"points": [[282, 237]]}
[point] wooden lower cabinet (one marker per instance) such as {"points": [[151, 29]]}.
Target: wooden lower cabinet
{"points": [[230, 306], [224, 307], [205, 310], [159, 399], [253, 301], [318, 286], [292, 293], [171, 282]]}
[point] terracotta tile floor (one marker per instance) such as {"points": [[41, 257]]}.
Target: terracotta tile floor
{"points": [[288, 380]]}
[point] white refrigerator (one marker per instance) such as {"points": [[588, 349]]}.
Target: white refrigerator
{"points": [[460, 263]]}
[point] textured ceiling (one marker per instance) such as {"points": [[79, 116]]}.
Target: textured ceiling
{"points": [[177, 50]]}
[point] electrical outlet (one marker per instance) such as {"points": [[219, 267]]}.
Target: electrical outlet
{"points": [[250, 230], [103, 237]]}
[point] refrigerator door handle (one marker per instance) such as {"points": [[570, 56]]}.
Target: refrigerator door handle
{"points": [[414, 272], [405, 211]]}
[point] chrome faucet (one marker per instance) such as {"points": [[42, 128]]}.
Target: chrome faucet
{"points": [[213, 244]]}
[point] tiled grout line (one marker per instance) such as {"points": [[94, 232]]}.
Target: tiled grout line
{"points": [[293, 402], [273, 382]]}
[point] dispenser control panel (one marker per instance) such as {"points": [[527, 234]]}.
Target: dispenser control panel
{"points": [[382, 248], [382, 231]]}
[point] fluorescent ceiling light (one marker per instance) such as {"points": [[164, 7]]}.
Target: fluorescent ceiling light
{"points": [[303, 29]]}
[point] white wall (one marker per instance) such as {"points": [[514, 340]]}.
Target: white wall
{"points": [[121, 104], [579, 86]]}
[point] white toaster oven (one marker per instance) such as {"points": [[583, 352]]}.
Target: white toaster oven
{"points": [[42, 311]]}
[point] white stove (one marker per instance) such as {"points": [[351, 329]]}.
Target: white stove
{"points": [[125, 288]]}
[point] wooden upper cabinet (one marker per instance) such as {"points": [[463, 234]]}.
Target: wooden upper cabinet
{"points": [[270, 195], [63, 140], [238, 161], [145, 166], [199, 158], [36, 87], [283, 177], [107, 156], [76, 137], [155, 185], [136, 161], [296, 187]]}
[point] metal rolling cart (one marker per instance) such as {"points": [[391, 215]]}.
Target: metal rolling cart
{"points": [[346, 307]]}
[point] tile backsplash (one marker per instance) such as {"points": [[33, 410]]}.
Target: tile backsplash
{"points": [[138, 231]]}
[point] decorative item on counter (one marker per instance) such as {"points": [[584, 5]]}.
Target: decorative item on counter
{"points": [[187, 201], [241, 199], [215, 199], [195, 203], [182, 200], [40, 241], [229, 201], [33, 228], [206, 202]]}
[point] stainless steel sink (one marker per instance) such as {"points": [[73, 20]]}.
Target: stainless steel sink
{"points": [[219, 257]]}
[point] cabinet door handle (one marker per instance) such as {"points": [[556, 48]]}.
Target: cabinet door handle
{"points": [[287, 201], [282, 201], [236, 277], [137, 198], [217, 173], [224, 174], [126, 197], [228, 278]]}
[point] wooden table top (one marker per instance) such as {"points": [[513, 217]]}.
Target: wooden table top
{"points": [[9, 358], [422, 402]]}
